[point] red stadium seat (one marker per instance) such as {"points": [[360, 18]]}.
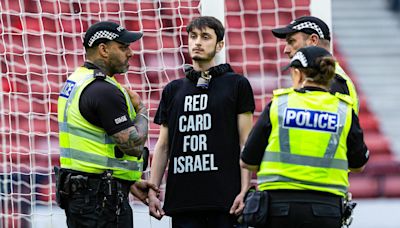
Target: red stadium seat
{"points": [[364, 187], [368, 122], [377, 143], [377, 168], [391, 186]]}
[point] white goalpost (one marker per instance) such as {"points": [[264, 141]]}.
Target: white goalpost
{"points": [[41, 44]]}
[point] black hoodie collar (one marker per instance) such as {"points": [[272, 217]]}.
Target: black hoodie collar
{"points": [[214, 71]]}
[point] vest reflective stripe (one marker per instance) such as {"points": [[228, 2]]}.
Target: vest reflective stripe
{"points": [[278, 178], [296, 159], [283, 132], [91, 135], [99, 160], [84, 146], [335, 138]]}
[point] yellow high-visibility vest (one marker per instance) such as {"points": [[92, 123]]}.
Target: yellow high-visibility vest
{"points": [[83, 146], [350, 85], [307, 147]]}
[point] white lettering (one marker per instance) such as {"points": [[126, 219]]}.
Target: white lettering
{"points": [[120, 119], [182, 126], [203, 101], [332, 122], [195, 143], [307, 116], [186, 142], [197, 163], [188, 104], [190, 124], [206, 122], [290, 115], [180, 167], [300, 119], [196, 102], [322, 120], [212, 162], [205, 162], [199, 122], [188, 164]]}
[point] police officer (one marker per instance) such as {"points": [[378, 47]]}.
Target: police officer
{"points": [[312, 31], [102, 131], [303, 145]]}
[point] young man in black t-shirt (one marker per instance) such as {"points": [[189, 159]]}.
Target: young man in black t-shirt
{"points": [[205, 119]]}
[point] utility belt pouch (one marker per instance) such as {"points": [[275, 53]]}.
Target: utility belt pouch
{"points": [[255, 211], [62, 186], [348, 207]]}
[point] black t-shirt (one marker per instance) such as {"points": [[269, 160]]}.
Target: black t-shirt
{"points": [[204, 148], [357, 152], [101, 103]]}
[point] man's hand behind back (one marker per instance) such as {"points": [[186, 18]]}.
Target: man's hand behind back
{"points": [[140, 190]]}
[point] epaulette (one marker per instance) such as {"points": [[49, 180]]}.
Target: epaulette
{"points": [[278, 92], [344, 97], [98, 74]]}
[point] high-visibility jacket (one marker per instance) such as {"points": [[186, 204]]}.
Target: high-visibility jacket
{"points": [[350, 86], [307, 147], [83, 146]]}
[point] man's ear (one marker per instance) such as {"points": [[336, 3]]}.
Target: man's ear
{"points": [[102, 49], [220, 45], [313, 40]]}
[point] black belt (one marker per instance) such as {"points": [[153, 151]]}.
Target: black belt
{"points": [[281, 196], [96, 181]]}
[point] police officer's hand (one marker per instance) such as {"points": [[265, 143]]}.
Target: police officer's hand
{"points": [[155, 208], [141, 188], [135, 98], [238, 205]]}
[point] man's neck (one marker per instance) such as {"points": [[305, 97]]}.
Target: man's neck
{"points": [[203, 65], [101, 65]]}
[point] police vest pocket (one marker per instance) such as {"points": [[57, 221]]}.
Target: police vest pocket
{"points": [[255, 211], [323, 210], [279, 209]]}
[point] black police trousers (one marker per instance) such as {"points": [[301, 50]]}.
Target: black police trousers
{"points": [[95, 207], [304, 209]]}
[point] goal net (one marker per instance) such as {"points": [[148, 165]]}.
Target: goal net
{"points": [[41, 44]]}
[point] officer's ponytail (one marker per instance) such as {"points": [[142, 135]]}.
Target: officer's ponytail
{"points": [[326, 70], [323, 73]]}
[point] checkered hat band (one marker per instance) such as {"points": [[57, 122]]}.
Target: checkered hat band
{"points": [[102, 34], [310, 25], [300, 57]]}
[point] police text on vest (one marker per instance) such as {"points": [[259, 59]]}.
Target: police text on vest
{"points": [[311, 120]]}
